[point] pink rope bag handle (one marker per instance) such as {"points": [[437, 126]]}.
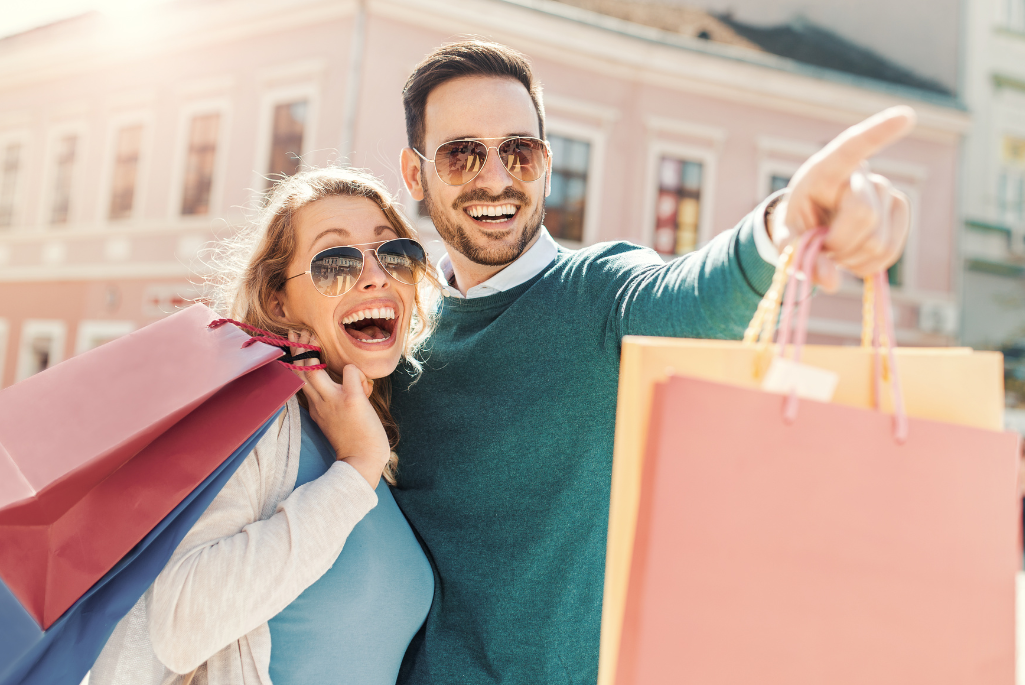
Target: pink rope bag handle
{"points": [[273, 340], [804, 261]]}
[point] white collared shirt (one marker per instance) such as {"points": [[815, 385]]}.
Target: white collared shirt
{"points": [[543, 252], [529, 264]]}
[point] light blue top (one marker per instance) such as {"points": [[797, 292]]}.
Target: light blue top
{"points": [[353, 625]]}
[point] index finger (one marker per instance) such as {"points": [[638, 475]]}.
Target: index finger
{"points": [[845, 153]]}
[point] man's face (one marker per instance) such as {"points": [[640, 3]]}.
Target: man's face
{"points": [[474, 218]]}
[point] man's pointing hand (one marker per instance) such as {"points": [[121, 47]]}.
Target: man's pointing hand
{"points": [[868, 219]]}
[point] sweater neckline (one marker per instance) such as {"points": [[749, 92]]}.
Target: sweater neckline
{"points": [[502, 299]]}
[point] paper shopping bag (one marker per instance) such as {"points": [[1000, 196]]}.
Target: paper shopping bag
{"points": [[66, 651], [75, 500], [819, 551], [956, 386]]}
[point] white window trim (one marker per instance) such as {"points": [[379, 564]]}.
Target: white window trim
{"points": [[767, 168], [30, 329], [596, 138], [90, 330], [143, 118], [214, 105], [78, 176], [708, 156], [5, 330], [271, 98], [19, 219]]}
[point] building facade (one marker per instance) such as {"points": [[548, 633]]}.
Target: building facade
{"points": [[994, 189], [127, 144]]}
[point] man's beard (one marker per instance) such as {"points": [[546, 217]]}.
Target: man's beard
{"points": [[457, 237]]}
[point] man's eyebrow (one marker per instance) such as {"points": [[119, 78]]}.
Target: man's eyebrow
{"points": [[508, 135]]}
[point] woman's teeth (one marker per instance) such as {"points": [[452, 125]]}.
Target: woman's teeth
{"points": [[379, 313], [485, 212]]}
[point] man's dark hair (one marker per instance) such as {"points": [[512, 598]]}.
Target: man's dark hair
{"points": [[465, 58]]}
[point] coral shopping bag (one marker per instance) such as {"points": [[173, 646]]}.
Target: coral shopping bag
{"points": [[824, 550], [97, 451]]}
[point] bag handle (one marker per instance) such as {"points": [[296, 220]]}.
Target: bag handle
{"points": [[284, 344], [877, 324]]}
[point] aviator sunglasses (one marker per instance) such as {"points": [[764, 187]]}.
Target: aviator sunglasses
{"points": [[459, 161], [335, 270]]}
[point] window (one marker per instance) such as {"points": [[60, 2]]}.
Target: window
{"points": [[126, 167], [287, 139], [92, 334], [3, 349], [1011, 182], [777, 182], [199, 164], [10, 162], [564, 208], [1013, 14], [64, 170], [42, 346], [678, 206]]}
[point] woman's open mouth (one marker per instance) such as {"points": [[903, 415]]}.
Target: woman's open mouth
{"points": [[492, 214], [371, 326]]}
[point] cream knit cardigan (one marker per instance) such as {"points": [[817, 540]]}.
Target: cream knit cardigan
{"points": [[261, 543]]}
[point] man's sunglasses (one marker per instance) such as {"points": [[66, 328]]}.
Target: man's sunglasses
{"points": [[335, 270], [459, 161]]}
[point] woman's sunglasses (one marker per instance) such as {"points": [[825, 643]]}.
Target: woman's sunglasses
{"points": [[335, 270], [459, 161]]}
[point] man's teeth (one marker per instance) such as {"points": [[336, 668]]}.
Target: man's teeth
{"points": [[477, 211], [376, 313]]}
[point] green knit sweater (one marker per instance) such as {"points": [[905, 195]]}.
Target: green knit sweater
{"points": [[506, 453]]}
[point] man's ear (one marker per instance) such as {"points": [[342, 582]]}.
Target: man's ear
{"points": [[409, 163]]}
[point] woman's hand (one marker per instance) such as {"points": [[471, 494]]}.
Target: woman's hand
{"points": [[344, 413]]}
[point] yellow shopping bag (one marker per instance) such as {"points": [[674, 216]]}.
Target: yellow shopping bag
{"points": [[952, 385]]}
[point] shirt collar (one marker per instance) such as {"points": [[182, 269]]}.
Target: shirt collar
{"points": [[525, 267]]}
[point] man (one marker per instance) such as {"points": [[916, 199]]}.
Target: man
{"points": [[507, 436]]}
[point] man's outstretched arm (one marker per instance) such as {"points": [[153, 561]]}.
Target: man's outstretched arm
{"points": [[713, 292]]}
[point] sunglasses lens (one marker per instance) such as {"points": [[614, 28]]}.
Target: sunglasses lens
{"points": [[404, 259], [524, 158], [336, 270], [460, 161]]}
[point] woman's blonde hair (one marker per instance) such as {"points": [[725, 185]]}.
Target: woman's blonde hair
{"points": [[250, 267]]}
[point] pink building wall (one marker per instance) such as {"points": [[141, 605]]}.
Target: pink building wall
{"points": [[631, 93]]}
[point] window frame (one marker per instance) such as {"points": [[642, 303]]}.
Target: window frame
{"points": [[186, 113], [32, 328], [659, 147], [76, 194], [89, 330], [19, 213], [5, 332], [142, 118], [269, 100], [596, 138]]}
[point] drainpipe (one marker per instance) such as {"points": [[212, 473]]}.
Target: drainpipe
{"points": [[353, 83]]}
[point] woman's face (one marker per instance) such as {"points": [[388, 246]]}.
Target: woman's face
{"points": [[377, 308]]}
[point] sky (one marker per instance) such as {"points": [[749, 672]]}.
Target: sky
{"points": [[21, 15]]}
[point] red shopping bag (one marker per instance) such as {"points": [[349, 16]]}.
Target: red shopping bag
{"points": [[801, 542], [95, 451]]}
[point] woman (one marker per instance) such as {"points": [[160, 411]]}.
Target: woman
{"points": [[276, 582]]}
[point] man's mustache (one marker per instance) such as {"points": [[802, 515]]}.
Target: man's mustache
{"points": [[481, 195]]}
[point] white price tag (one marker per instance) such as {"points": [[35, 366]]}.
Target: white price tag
{"points": [[809, 382]]}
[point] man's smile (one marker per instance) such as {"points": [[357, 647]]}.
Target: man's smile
{"points": [[492, 213]]}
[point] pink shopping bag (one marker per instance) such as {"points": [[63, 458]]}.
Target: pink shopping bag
{"points": [[790, 542]]}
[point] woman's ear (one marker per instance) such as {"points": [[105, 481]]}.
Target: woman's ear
{"points": [[277, 307]]}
